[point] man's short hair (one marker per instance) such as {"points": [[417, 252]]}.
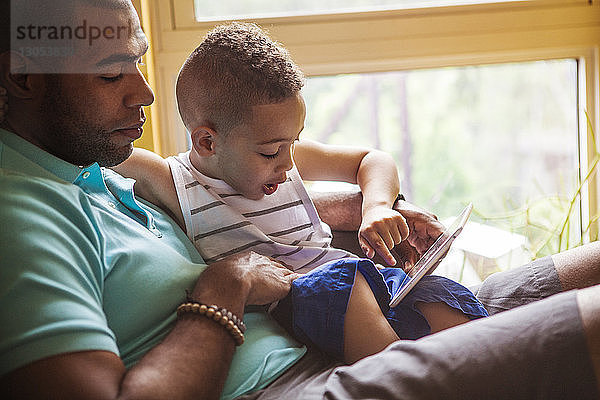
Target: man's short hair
{"points": [[236, 66]]}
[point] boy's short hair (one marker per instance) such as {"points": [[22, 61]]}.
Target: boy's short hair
{"points": [[236, 66]]}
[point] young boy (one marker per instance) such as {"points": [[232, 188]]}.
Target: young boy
{"points": [[240, 188]]}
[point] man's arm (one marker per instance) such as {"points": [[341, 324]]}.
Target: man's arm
{"points": [[53, 293], [339, 210], [191, 363]]}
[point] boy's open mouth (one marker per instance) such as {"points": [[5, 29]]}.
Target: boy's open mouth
{"points": [[269, 188]]}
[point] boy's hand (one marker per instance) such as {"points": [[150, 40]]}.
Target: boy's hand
{"points": [[381, 229]]}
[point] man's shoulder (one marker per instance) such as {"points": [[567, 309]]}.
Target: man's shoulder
{"points": [[14, 164], [36, 194], [20, 181]]}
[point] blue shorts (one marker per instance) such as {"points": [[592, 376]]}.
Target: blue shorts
{"points": [[315, 309]]}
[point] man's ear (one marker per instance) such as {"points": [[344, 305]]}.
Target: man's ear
{"points": [[14, 76], [203, 141]]}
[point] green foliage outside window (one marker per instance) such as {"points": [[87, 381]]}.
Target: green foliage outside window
{"points": [[502, 136]]}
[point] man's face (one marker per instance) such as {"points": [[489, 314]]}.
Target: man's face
{"points": [[95, 116], [253, 158]]}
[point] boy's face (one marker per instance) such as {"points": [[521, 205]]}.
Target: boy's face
{"points": [[254, 156]]}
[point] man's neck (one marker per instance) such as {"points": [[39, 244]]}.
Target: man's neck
{"points": [[6, 125]]}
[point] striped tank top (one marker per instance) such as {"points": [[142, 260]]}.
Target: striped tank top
{"points": [[220, 222]]}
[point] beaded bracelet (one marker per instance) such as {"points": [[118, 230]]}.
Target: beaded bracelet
{"points": [[234, 325]]}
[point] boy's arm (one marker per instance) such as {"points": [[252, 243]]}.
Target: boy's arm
{"points": [[376, 174], [154, 181]]}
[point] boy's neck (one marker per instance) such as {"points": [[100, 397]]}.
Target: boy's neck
{"points": [[202, 165]]}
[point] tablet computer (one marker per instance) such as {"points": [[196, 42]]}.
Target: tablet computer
{"points": [[429, 260]]}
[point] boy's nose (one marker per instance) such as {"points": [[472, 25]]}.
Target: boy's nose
{"points": [[287, 162]]}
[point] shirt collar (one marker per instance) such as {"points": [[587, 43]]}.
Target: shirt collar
{"points": [[56, 166], [90, 179]]}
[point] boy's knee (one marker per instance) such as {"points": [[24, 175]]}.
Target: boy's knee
{"points": [[441, 316]]}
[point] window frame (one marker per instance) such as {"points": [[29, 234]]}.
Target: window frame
{"points": [[405, 39]]}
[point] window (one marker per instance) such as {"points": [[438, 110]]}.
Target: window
{"points": [[504, 137], [206, 10]]}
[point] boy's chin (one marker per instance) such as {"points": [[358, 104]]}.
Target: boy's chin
{"points": [[254, 195], [260, 193]]}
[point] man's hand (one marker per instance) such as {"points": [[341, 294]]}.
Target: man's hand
{"points": [[381, 229], [342, 212], [424, 229], [256, 279], [270, 280]]}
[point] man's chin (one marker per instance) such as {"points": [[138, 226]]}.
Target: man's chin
{"points": [[116, 157]]}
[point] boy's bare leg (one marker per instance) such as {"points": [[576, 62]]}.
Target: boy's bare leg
{"points": [[366, 330], [587, 300], [441, 316], [579, 267]]}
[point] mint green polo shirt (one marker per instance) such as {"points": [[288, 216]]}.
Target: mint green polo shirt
{"points": [[85, 265]]}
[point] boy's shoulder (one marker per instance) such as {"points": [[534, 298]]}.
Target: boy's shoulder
{"points": [[179, 161]]}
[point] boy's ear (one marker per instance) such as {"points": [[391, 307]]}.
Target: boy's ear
{"points": [[203, 141], [16, 79]]}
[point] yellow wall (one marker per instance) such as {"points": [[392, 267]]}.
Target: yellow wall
{"points": [[150, 139]]}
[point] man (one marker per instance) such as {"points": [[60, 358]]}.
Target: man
{"points": [[91, 276]]}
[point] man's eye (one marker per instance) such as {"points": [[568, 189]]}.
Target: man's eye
{"points": [[270, 155], [112, 78]]}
